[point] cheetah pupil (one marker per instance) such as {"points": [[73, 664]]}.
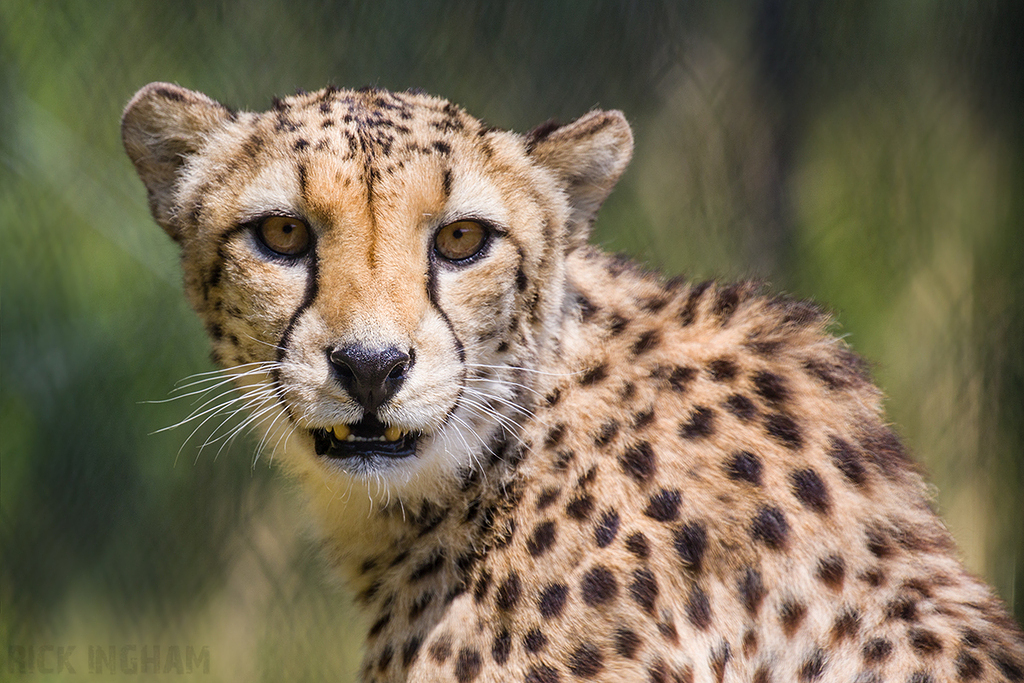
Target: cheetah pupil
{"points": [[533, 461]]}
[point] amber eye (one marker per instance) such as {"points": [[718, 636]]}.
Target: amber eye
{"points": [[460, 240], [284, 235]]}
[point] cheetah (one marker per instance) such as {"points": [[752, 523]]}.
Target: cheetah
{"points": [[531, 460]]}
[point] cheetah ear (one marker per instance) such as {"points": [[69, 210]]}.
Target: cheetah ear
{"points": [[587, 157], [161, 127]]}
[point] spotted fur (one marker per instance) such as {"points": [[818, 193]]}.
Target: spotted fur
{"points": [[619, 478]]}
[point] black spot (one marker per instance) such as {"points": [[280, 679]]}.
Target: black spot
{"points": [[410, 650], [847, 460], [884, 449], [876, 650], [726, 301], [639, 462], [552, 600], [771, 388], [547, 497], [385, 658], [698, 608], [301, 144], [668, 631], [580, 508], [745, 466], [784, 429], [752, 592], [679, 379], [627, 392], [553, 398], [832, 571], [722, 370], [637, 544], [968, 668], [626, 642], [720, 656], [522, 282], [502, 646], [587, 477], [594, 375], [846, 625], [657, 672], [689, 311], [562, 459], [770, 527], [430, 517], [508, 592], [585, 661], [750, 644], [419, 605], [534, 640], [643, 418], [467, 665], [810, 490], [555, 435], [541, 539], [791, 615], [690, 543], [644, 589], [814, 666], [645, 342], [617, 324], [608, 431], [482, 584], [654, 304], [441, 649], [1010, 667], [379, 625], [878, 542], [542, 673], [741, 406], [598, 586], [872, 577], [607, 528], [920, 677], [924, 642], [701, 423], [902, 608], [663, 506], [429, 566]]}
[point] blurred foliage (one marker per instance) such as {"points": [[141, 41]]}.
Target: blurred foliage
{"points": [[870, 156]]}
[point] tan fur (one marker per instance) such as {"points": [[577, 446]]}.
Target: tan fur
{"points": [[619, 478]]}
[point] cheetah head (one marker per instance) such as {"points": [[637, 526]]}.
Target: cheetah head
{"points": [[378, 271]]}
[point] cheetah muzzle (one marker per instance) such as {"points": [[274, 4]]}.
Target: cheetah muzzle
{"points": [[531, 460]]}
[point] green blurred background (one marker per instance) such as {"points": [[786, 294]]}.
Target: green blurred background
{"points": [[868, 155]]}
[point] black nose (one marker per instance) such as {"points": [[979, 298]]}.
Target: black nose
{"points": [[370, 376]]}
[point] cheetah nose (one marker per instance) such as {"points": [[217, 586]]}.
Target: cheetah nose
{"points": [[370, 376]]}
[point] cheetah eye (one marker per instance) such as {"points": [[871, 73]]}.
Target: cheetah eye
{"points": [[460, 240], [284, 235]]}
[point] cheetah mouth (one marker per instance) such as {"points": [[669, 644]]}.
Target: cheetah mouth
{"points": [[367, 438]]}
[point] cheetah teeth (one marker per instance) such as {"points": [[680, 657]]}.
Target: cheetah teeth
{"points": [[343, 433]]}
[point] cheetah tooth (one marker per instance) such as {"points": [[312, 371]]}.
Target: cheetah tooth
{"points": [[341, 432], [394, 433]]}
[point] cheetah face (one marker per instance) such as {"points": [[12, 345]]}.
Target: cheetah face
{"points": [[375, 269]]}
